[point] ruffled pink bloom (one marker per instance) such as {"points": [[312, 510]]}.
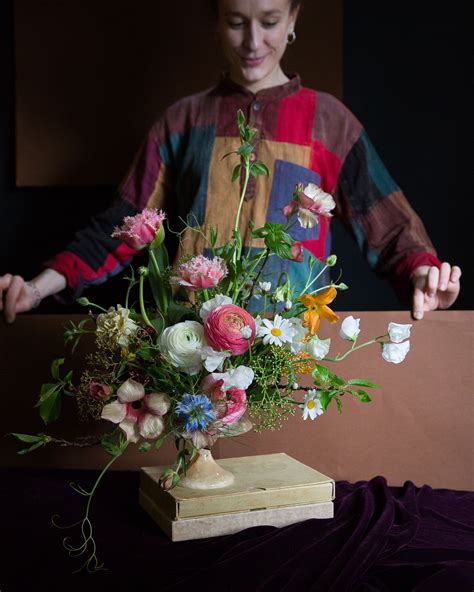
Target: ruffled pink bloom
{"points": [[99, 391], [140, 230], [311, 203], [138, 414], [223, 328], [201, 273], [229, 406], [297, 251]]}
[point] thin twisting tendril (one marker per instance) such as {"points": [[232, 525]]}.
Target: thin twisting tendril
{"points": [[87, 541]]}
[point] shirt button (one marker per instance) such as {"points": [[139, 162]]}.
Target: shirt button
{"points": [[256, 106], [252, 157]]}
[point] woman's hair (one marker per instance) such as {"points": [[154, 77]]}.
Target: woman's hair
{"points": [[294, 4]]}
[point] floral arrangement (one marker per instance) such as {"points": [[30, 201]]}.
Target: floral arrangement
{"points": [[213, 343]]}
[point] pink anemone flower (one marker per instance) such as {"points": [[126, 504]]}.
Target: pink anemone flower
{"points": [[200, 273], [141, 230], [138, 414]]}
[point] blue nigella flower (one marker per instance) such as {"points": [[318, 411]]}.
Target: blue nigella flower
{"points": [[196, 410]]}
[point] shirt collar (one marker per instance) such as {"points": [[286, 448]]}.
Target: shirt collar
{"points": [[228, 86]]}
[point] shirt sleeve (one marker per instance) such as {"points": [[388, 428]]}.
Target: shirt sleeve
{"points": [[377, 214], [93, 255]]}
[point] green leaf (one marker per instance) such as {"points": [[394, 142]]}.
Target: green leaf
{"points": [[26, 437], [258, 168], [55, 367], [361, 395], [113, 442], [324, 398], [46, 390], [31, 448], [50, 406], [240, 118], [320, 374], [361, 382], [339, 405], [335, 380], [159, 442], [144, 447], [236, 172]]}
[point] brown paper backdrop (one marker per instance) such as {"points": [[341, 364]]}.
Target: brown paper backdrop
{"points": [[92, 76], [419, 426]]}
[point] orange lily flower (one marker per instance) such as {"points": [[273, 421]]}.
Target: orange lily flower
{"points": [[317, 309]]}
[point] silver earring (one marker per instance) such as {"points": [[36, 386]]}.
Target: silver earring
{"points": [[291, 38]]}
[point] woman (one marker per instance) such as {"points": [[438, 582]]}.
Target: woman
{"points": [[305, 136]]}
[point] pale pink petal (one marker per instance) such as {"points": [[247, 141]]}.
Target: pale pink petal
{"points": [[157, 403], [150, 426], [130, 391], [130, 428], [114, 412]]}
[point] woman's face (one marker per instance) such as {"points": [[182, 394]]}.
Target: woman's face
{"points": [[254, 35]]}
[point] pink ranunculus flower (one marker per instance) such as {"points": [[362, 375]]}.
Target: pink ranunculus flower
{"points": [[223, 328], [99, 391], [230, 405], [138, 414], [200, 273], [297, 251], [141, 230]]}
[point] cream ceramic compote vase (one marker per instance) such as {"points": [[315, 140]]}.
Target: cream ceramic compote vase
{"points": [[204, 472]]}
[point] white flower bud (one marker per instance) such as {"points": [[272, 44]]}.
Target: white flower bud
{"points": [[288, 305], [265, 286]]}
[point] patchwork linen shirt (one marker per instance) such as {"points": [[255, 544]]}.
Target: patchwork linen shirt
{"points": [[305, 136]]}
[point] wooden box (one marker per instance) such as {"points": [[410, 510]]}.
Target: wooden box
{"points": [[269, 489]]}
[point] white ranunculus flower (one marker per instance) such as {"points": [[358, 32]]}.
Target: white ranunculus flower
{"points": [[395, 352], [240, 377], [210, 305], [318, 348], [115, 327], [398, 333], [182, 343], [349, 328]]}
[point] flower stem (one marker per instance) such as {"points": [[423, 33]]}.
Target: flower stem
{"points": [[339, 357], [238, 251], [142, 302]]}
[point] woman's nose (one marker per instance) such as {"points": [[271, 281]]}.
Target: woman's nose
{"points": [[253, 38]]}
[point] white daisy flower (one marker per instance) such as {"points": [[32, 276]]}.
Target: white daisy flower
{"points": [[312, 405], [276, 332]]}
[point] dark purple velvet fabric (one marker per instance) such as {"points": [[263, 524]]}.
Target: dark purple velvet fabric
{"points": [[381, 539]]}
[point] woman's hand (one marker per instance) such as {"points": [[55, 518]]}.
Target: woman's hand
{"points": [[434, 288], [16, 296]]}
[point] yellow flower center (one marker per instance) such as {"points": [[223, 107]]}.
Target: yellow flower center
{"points": [[276, 332], [310, 404]]}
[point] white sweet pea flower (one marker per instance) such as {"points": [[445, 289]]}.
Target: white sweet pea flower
{"points": [[312, 405], [395, 352], [398, 333], [318, 348], [211, 304], [240, 377], [182, 343], [265, 286], [299, 333], [288, 305], [349, 328], [213, 360]]}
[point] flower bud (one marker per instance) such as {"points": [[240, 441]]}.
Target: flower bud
{"points": [[142, 271], [288, 305], [331, 260], [342, 286], [83, 301]]}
